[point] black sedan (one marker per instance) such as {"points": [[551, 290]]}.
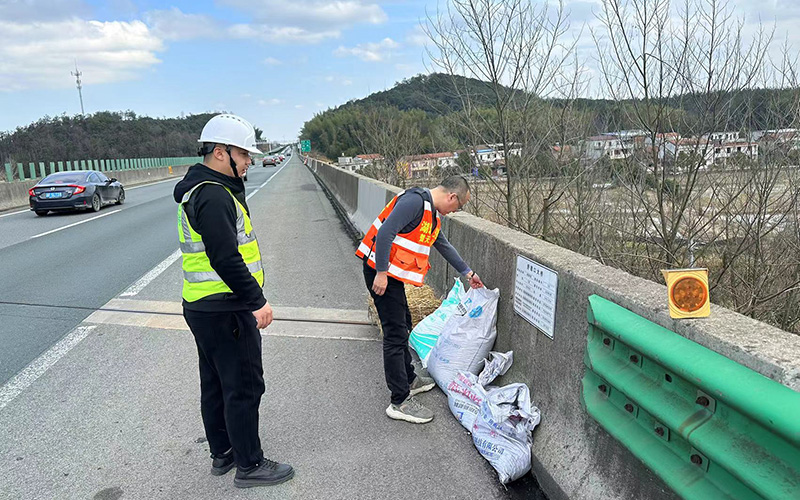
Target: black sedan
{"points": [[82, 190]]}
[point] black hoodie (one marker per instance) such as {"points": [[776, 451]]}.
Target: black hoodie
{"points": [[212, 213]]}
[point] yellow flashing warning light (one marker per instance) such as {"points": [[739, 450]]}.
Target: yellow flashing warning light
{"points": [[687, 291]]}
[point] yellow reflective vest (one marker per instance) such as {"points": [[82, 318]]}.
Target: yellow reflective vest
{"points": [[199, 278]]}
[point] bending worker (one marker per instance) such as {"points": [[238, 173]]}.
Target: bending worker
{"points": [[395, 250], [223, 302]]}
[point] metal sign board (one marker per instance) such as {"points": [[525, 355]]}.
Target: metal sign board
{"points": [[305, 146], [535, 292]]}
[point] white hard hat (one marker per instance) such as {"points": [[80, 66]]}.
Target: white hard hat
{"points": [[230, 130]]}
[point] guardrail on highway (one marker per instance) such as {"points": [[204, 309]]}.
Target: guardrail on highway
{"points": [[576, 455], [708, 426], [34, 170]]}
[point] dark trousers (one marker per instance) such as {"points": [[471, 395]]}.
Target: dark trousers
{"points": [[231, 381], [395, 319]]}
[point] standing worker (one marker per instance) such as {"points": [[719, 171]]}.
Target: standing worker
{"points": [[395, 250], [223, 302]]}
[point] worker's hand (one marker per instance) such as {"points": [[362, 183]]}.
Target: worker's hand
{"points": [[263, 316], [380, 282], [475, 280]]}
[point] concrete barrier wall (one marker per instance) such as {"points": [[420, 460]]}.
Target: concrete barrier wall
{"points": [[363, 198], [573, 456], [15, 194]]}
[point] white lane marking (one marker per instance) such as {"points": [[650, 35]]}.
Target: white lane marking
{"points": [[37, 367], [151, 184], [76, 223], [265, 182], [145, 280], [14, 213]]}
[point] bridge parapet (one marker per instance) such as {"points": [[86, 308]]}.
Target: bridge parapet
{"points": [[573, 455]]}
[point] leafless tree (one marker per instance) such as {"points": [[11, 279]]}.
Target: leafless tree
{"points": [[518, 51], [385, 131]]}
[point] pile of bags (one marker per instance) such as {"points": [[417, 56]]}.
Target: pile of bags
{"points": [[500, 419]]}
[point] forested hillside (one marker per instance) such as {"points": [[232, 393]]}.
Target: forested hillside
{"points": [[433, 104], [102, 135]]}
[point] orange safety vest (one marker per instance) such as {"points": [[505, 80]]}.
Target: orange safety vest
{"points": [[408, 258]]}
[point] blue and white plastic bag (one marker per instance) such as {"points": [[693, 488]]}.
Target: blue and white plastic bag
{"points": [[423, 337], [466, 338], [466, 392], [502, 430]]}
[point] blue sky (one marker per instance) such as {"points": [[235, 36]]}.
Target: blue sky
{"points": [[275, 62]]}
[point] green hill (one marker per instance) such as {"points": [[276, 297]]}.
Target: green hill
{"points": [[100, 135], [431, 103]]}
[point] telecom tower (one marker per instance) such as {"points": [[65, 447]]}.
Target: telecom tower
{"points": [[77, 74]]}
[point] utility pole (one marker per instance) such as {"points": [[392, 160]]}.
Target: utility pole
{"points": [[77, 74]]}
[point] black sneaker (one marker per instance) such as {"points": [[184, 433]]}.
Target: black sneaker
{"points": [[221, 464], [266, 473]]}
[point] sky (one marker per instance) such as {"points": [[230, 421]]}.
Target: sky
{"points": [[274, 62]]}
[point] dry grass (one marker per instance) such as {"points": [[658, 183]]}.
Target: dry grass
{"points": [[421, 302]]}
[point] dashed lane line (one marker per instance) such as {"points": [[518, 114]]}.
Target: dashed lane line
{"points": [[36, 368], [75, 224]]}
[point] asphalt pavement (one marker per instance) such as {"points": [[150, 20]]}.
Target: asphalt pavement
{"points": [[99, 390]]}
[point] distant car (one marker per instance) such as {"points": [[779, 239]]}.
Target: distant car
{"points": [[81, 190], [268, 160], [281, 157]]}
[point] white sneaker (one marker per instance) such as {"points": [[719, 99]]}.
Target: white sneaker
{"points": [[410, 410]]}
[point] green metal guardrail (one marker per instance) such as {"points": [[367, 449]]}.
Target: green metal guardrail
{"points": [[40, 170], [708, 426]]}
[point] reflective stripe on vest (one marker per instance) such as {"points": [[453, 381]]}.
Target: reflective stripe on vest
{"points": [[199, 278], [408, 258]]}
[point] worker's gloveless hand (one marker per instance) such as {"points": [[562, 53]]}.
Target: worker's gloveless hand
{"points": [[380, 282], [263, 316], [475, 281]]}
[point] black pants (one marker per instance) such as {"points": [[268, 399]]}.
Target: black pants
{"points": [[395, 319], [231, 381]]}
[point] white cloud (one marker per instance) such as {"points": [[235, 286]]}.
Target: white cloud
{"points": [[298, 106], [173, 24], [369, 52], [269, 102], [341, 80], [417, 37], [41, 10], [271, 61], [303, 21], [316, 13], [281, 34], [41, 55]]}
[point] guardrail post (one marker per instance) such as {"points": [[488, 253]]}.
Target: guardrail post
{"points": [[9, 173], [21, 171], [42, 172], [60, 166], [32, 170], [52, 167]]}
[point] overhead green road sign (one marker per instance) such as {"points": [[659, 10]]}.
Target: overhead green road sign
{"points": [[305, 146]]}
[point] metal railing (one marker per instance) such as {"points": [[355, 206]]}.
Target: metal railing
{"points": [[708, 426], [34, 170]]}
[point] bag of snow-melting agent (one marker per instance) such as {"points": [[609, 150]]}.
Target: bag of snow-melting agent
{"points": [[502, 430], [466, 338], [466, 392], [423, 337]]}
